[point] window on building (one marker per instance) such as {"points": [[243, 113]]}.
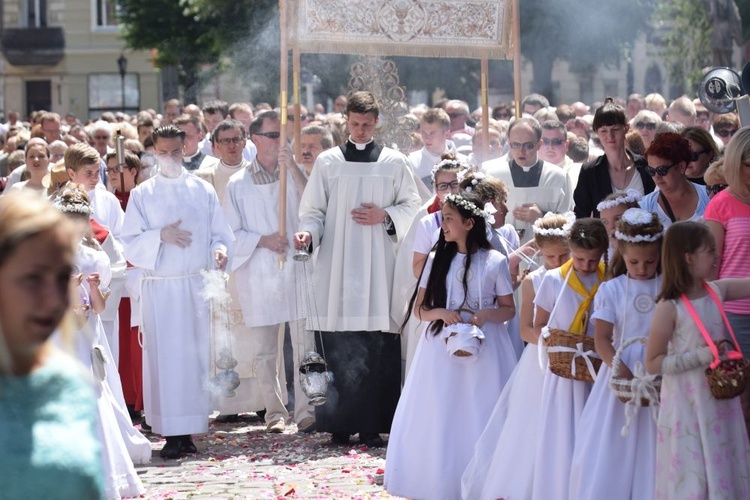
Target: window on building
{"points": [[35, 13], [106, 93], [106, 13]]}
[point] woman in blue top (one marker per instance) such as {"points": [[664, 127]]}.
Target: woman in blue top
{"points": [[48, 433], [675, 198]]}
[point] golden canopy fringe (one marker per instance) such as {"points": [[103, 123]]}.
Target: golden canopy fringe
{"points": [[476, 29]]}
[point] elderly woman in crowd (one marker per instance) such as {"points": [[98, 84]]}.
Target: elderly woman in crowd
{"points": [[677, 199], [703, 151], [645, 122], [728, 218], [616, 170]]}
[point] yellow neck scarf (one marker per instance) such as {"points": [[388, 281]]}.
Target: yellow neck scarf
{"points": [[580, 319]]}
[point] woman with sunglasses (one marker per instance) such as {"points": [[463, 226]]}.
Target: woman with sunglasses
{"points": [[725, 126], [703, 151], [728, 218], [645, 123], [677, 199], [616, 170]]}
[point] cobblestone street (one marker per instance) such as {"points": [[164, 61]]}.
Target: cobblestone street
{"points": [[241, 460]]}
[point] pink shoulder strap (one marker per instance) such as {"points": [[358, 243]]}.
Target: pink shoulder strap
{"points": [[737, 353]]}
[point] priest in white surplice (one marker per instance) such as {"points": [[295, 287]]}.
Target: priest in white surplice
{"points": [[174, 228], [535, 186], [266, 293], [358, 203]]}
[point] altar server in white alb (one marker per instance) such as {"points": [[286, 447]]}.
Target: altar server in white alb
{"points": [[174, 229], [266, 291], [535, 186], [359, 202]]}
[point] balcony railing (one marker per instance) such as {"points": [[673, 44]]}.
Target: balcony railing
{"points": [[33, 46]]}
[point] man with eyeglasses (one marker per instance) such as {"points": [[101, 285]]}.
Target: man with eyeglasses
{"points": [[554, 149], [214, 112], [174, 229], [228, 140], [358, 204], [434, 127], [251, 206], [535, 186]]}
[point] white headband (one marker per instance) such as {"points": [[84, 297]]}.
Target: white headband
{"points": [[562, 232], [632, 196], [638, 217]]}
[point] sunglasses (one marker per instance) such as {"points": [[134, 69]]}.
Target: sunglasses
{"points": [[552, 142], [715, 189], [302, 117], [726, 132], [270, 135], [661, 170], [101, 137], [230, 140], [644, 125], [528, 146], [695, 156], [443, 186]]}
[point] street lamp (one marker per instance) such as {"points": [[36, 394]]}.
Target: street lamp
{"points": [[122, 64]]}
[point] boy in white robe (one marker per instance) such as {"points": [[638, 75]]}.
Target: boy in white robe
{"points": [[174, 228]]}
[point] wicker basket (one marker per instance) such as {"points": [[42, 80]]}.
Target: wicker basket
{"points": [[561, 363], [729, 379], [623, 387]]}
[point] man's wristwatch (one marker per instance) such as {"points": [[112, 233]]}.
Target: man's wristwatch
{"points": [[388, 222]]}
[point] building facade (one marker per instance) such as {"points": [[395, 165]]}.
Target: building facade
{"points": [[66, 56]]}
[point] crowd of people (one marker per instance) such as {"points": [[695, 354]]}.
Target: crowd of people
{"points": [[442, 276]]}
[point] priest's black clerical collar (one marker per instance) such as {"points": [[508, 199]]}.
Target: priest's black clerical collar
{"points": [[361, 153], [526, 176]]}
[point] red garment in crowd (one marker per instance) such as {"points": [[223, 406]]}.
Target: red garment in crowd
{"points": [[131, 359]]}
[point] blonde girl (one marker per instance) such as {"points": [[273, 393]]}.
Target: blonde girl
{"points": [[564, 301], [623, 308]]}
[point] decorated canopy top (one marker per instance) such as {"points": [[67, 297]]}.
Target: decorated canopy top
{"points": [[473, 29]]}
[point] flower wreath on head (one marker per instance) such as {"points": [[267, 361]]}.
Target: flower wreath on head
{"points": [[638, 217], [73, 207], [631, 196], [478, 177], [460, 201], [449, 165], [562, 232]]}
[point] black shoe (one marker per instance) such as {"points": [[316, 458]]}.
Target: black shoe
{"points": [[261, 414], [227, 418], [371, 439], [144, 426], [187, 445], [171, 448], [340, 438]]}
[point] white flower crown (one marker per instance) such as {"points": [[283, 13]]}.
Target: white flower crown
{"points": [[478, 176], [638, 217], [460, 201], [632, 196], [562, 232], [449, 165], [73, 208]]}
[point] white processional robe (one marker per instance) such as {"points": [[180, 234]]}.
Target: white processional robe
{"points": [[354, 271], [174, 316], [553, 193]]}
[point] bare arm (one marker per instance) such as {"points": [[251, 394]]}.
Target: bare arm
{"points": [[449, 317], [734, 288], [662, 327], [541, 319], [603, 333], [718, 231], [504, 311], [417, 263], [529, 333]]}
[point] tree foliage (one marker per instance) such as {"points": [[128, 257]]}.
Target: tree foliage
{"points": [[687, 42]]}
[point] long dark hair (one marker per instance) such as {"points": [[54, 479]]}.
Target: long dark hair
{"points": [[436, 292]]}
